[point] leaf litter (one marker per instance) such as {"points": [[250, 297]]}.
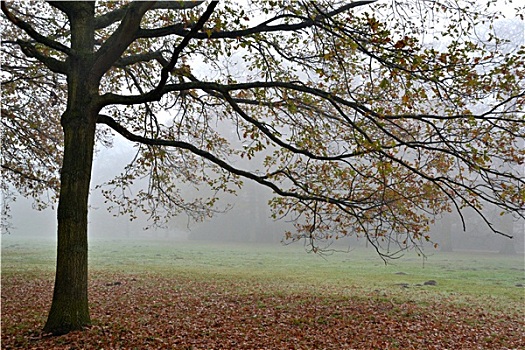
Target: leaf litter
{"points": [[180, 312]]}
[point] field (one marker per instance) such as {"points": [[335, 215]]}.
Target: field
{"points": [[149, 294]]}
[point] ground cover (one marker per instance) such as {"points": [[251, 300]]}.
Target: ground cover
{"points": [[178, 295]]}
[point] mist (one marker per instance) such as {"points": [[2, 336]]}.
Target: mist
{"points": [[247, 217]]}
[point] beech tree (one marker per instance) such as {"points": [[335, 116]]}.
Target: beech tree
{"points": [[364, 118]]}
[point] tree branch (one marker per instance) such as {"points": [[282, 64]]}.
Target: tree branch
{"points": [[164, 74], [281, 143], [28, 177], [116, 15], [119, 41], [63, 6], [32, 32], [53, 64], [143, 57], [261, 28], [104, 119]]}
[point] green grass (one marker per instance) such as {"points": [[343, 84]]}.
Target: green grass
{"points": [[461, 277]]}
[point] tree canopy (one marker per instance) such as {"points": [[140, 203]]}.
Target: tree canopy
{"points": [[363, 117]]}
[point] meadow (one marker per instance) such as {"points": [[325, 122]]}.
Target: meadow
{"points": [[192, 295]]}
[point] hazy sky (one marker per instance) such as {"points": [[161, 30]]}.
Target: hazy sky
{"points": [[27, 221]]}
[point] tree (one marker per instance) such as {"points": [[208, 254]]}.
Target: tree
{"points": [[349, 111]]}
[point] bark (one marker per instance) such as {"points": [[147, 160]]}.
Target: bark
{"points": [[69, 308]]}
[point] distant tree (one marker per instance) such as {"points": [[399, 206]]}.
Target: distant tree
{"points": [[348, 111]]}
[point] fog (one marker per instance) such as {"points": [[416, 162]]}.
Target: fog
{"points": [[248, 219], [245, 217]]}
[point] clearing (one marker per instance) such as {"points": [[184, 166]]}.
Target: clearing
{"points": [[188, 295]]}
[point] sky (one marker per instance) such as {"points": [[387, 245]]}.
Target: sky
{"points": [[27, 221]]}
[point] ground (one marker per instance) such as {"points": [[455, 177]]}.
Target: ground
{"points": [[195, 297]]}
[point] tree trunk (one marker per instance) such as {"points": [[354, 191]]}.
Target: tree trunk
{"points": [[69, 309]]}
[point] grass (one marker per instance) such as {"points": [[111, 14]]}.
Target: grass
{"points": [[273, 295], [467, 276]]}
